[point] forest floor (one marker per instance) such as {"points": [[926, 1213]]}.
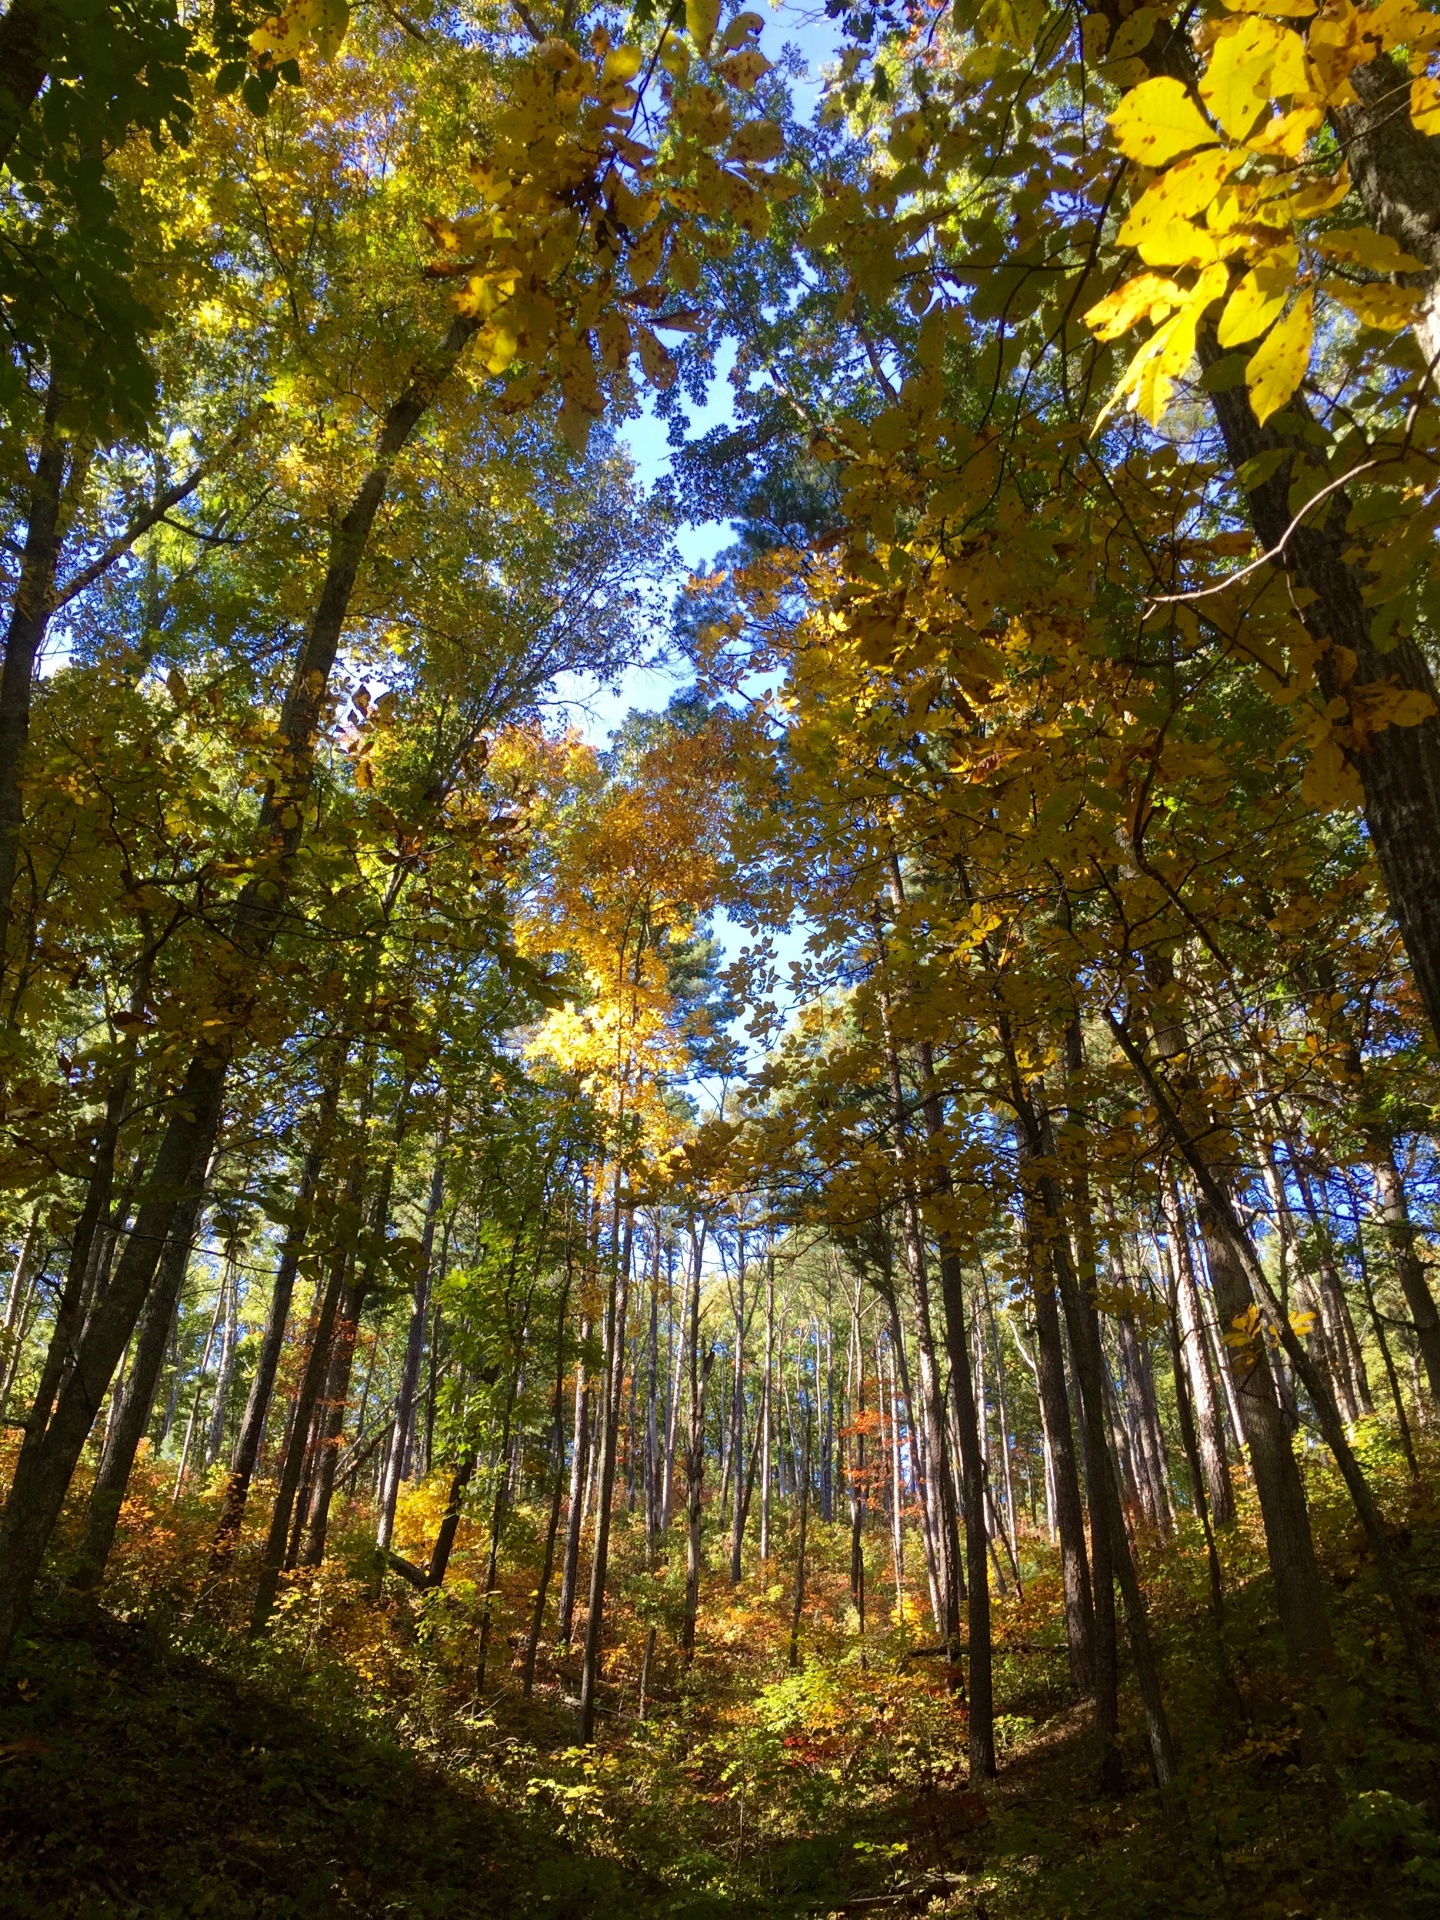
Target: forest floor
{"points": [[155, 1762]]}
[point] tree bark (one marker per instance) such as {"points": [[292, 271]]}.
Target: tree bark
{"points": [[399, 1448], [272, 1341], [1299, 1590], [107, 1496], [34, 595], [614, 1381]]}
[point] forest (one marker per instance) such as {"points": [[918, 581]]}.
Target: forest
{"points": [[808, 1294]]}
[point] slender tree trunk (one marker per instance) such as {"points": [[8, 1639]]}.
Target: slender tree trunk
{"points": [[765, 1405], [557, 1492], [399, 1448], [29, 615], [272, 1341], [797, 1611], [1107, 1522], [1300, 1593], [1277, 1328], [107, 1496], [613, 1387], [277, 1540], [1400, 1232], [694, 1466], [579, 1473], [1210, 1422], [230, 1288], [497, 1529], [450, 1520]]}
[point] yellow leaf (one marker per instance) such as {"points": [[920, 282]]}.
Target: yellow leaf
{"points": [[701, 19], [1260, 298], [364, 774], [1425, 104], [1320, 195], [1159, 224], [660, 369], [1150, 378], [1278, 364], [1287, 135], [674, 55], [574, 423], [1382, 704], [1302, 1321], [1366, 248], [1251, 61], [743, 69], [1148, 296], [1158, 120], [332, 22], [1377, 304], [1173, 242], [622, 64], [757, 140], [500, 344], [1300, 9], [739, 30], [1330, 781]]}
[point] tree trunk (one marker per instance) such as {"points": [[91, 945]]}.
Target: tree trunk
{"points": [[1210, 1422], [611, 1395], [399, 1448], [272, 1341], [30, 610], [278, 1538], [1400, 1232], [107, 1496], [557, 1433], [579, 1473], [1300, 1593]]}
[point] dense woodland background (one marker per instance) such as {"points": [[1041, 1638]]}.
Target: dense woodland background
{"points": [[828, 1305]]}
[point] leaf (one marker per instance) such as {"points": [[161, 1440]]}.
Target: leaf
{"points": [[743, 69], [1318, 196], [701, 19], [175, 682], [1278, 364], [674, 55], [1150, 378], [1259, 300], [1148, 296], [1157, 121], [574, 422], [758, 141], [1251, 61], [1377, 304], [1381, 704], [332, 23], [660, 369], [1300, 9], [1159, 225], [1366, 248], [622, 64], [1425, 104], [740, 29], [1288, 134], [1329, 781]]}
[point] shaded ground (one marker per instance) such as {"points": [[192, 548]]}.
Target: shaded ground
{"points": [[134, 1781]]}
